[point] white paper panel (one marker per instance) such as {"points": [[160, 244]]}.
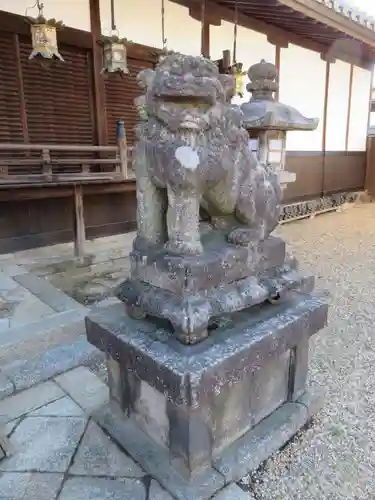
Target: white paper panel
{"points": [[302, 85], [337, 109], [359, 110]]}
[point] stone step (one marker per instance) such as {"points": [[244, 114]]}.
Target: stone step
{"points": [[26, 341], [27, 372]]}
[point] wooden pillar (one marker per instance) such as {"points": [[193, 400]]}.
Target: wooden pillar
{"points": [[205, 40], [122, 148], [21, 92], [324, 125], [79, 222], [370, 150], [99, 85], [277, 64]]}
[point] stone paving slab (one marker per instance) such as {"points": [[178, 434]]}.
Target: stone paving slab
{"points": [[98, 455], [29, 486], [44, 444], [90, 393], [156, 492], [47, 293], [89, 488], [64, 407], [22, 403]]}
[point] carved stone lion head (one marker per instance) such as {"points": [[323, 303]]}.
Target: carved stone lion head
{"points": [[185, 92]]}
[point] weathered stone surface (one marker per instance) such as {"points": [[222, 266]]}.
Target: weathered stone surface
{"points": [[6, 386], [64, 407], [97, 455], [263, 112], [26, 401], [312, 400], [247, 453], [82, 488], [57, 360], [156, 460], [44, 444], [248, 340], [85, 388], [29, 486], [157, 493], [233, 492]]}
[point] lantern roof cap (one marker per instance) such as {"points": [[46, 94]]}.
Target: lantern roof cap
{"points": [[263, 111]]}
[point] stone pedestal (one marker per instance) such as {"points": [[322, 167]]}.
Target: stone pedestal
{"points": [[197, 417], [191, 292]]}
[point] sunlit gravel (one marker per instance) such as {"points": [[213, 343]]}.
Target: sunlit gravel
{"points": [[335, 457]]}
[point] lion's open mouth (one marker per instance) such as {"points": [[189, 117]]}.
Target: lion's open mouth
{"points": [[187, 102]]}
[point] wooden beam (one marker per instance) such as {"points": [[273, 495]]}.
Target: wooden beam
{"points": [[99, 85], [21, 92], [331, 18], [349, 107], [274, 33]]}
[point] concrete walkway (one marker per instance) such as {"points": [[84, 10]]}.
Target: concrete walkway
{"points": [[59, 452]]}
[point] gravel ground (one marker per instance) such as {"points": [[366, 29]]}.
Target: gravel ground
{"points": [[335, 457]]}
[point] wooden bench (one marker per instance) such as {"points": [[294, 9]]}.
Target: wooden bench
{"points": [[25, 168]]}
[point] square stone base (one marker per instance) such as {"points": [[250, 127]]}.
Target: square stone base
{"points": [[197, 409], [240, 459]]}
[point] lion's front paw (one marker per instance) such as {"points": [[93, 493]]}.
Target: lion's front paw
{"points": [[243, 236], [184, 248]]}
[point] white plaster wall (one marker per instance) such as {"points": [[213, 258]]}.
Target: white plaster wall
{"points": [[302, 85], [251, 48], [141, 22], [74, 13], [137, 20], [359, 109], [337, 109]]}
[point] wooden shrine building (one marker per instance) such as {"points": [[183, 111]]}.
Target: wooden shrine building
{"points": [[58, 150]]}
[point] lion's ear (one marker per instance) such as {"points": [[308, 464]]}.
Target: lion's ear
{"points": [[145, 78]]}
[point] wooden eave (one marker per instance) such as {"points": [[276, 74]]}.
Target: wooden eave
{"points": [[307, 23]]}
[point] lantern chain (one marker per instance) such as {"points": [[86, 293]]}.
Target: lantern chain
{"points": [[203, 25], [164, 40], [113, 21], [235, 32], [39, 5]]}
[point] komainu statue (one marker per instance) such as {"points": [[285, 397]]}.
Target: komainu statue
{"points": [[192, 157], [193, 153]]}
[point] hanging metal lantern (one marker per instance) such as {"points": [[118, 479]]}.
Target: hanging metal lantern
{"points": [[115, 55], [239, 79], [44, 39]]}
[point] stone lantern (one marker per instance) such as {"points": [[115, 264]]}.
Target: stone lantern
{"points": [[267, 120]]}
